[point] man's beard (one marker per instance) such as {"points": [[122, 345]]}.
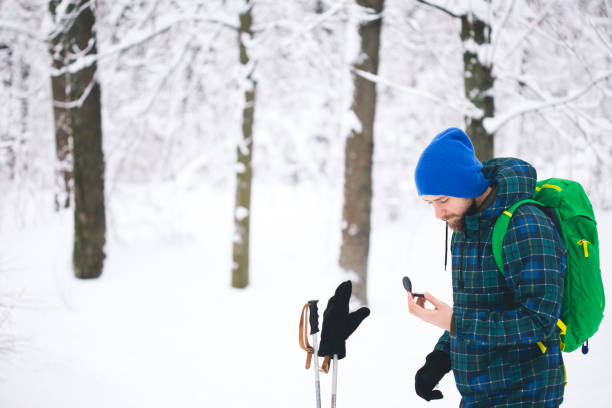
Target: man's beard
{"points": [[457, 224]]}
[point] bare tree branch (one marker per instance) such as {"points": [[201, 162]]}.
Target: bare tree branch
{"points": [[148, 14], [7, 25], [319, 20], [444, 10], [164, 79], [86, 61]]}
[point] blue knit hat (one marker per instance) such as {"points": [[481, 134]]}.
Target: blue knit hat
{"points": [[448, 166]]}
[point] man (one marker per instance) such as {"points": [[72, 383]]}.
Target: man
{"points": [[492, 329]]}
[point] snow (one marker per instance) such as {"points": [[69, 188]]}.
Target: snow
{"points": [[162, 326], [241, 213]]}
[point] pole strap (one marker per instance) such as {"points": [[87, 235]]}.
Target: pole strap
{"points": [[305, 345]]}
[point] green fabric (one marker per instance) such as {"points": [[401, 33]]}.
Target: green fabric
{"points": [[583, 294], [500, 229]]}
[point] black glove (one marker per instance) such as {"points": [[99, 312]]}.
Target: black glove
{"points": [[338, 323], [437, 364]]}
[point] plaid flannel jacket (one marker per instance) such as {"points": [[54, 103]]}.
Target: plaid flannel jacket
{"points": [[494, 355]]}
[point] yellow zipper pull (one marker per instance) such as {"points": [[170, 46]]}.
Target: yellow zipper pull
{"points": [[584, 243]]}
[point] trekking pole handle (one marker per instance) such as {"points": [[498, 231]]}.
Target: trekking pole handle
{"points": [[314, 316]]}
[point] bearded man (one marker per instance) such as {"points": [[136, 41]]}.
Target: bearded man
{"points": [[493, 327]]}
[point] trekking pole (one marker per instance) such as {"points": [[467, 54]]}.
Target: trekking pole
{"points": [[314, 329], [311, 307], [338, 325], [334, 381]]}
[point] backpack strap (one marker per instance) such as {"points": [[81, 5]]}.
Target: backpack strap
{"points": [[500, 229], [499, 232], [562, 330]]}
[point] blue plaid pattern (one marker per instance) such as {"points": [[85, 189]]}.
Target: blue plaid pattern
{"points": [[494, 355]]}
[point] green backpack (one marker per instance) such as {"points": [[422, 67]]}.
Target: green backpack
{"points": [[583, 295]]}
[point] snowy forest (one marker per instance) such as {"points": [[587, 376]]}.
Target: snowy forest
{"points": [[179, 176]]}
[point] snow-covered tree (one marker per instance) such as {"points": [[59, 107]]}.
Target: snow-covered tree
{"points": [[78, 118], [475, 34], [553, 87], [58, 49], [534, 69], [174, 92]]}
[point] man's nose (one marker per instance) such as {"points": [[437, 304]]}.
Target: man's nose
{"points": [[439, 212]]}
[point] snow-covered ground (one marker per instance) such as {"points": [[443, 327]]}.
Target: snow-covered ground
{"points": [[163, 328]]}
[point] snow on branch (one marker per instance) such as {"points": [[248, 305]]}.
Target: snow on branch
{"points": [[141, 38], [494, 124], [30, 92], [289, 24], [525, 34], [601, 37], [521, 79], [66, 18], [78, 103], [10, 26], [498, 32], [136, 40], [467, 109], [163, 80]]}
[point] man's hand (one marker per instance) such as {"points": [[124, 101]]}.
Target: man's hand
{"points": [[440, 315], [437, 364]]}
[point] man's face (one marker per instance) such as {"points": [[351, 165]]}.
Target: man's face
{"points": [[451, 209]]}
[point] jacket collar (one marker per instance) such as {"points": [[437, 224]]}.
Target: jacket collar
{"points": [[515, 180]]}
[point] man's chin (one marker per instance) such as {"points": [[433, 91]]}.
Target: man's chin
{"points": [[456, 224]]}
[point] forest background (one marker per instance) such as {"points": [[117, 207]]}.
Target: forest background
{"points": [[166, 165]]}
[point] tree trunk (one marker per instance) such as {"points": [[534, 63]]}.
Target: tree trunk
{"points": [[242, 208], [358, 157], [478, 83], [84, 124], [8, 137], [63, 129], [24, 109], [14, 74], [86, 120]]}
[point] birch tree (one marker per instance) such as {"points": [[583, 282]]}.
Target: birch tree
{"points": [[244, 173]]}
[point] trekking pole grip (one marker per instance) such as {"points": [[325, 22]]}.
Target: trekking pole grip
{"points": [[314, 316]]}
